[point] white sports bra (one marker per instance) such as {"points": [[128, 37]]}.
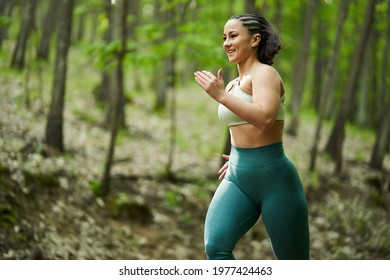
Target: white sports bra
{"points": [[232, 119]]}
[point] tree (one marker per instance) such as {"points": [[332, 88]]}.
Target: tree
{"points": [[103, 89], [300, 68], [328, 86], [336, 139], [5, 15], [54, 126], [382, 140], [165, 70], [48, 27], [117, 88], [177, 16], [116, 99], [24, 33]]}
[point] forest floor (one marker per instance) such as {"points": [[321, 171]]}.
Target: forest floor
{"points": [[48, 203]]}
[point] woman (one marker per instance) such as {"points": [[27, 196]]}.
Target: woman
{"points": [[258, 179]]}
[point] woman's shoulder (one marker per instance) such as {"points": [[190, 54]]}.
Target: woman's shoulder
{"points": [[267, 75], [266, 72], [265, 69]]}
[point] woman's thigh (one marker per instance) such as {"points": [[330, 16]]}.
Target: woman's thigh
{"points": [[230, 215]]}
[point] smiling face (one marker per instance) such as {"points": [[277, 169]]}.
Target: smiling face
{"points": [[238, 43]]}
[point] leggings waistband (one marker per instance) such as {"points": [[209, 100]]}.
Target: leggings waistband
{"points": [[259, 156]]}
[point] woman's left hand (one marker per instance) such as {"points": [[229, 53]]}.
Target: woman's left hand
{"points": [[214, 86]]}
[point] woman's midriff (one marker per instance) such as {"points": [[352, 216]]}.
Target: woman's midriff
{"points": [[249, 136]]}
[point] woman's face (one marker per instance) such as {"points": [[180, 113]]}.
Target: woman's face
{"points": [[238, 43]]}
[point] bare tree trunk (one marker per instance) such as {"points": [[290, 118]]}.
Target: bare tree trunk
{"points": [[6, 11], [48, 28], [163, 72], [335, 142], [300, 68], [54, 127], [250, 6], [177, 16], [327, 89], [382, 141], [319, 63], [118, 92], [103, 89], [25, 31], [135, 15], [116, 109]]}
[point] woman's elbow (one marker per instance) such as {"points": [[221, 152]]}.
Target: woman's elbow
{"points": [[265, 123]]}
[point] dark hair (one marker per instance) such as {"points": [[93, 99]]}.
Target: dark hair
{"points": [[270, 42]]}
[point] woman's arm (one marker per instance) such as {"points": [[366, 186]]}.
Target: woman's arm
{"points": [[266, 88]]}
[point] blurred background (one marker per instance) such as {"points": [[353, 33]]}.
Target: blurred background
{"points": [[110, 150]]}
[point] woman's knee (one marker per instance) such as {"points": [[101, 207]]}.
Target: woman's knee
{"points": [[216, 250]]}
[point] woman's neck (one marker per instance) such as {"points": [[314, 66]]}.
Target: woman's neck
{"points": [[244, 68]]}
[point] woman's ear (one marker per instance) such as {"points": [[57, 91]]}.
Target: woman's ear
{"points": [[256, 40]]}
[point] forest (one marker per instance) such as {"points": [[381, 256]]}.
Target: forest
{"points": [[110, 150]]}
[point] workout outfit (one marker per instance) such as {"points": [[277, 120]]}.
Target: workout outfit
{"points": [[259, 181]]}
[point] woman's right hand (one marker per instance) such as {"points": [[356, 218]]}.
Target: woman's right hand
{"points": [[224, 168]]}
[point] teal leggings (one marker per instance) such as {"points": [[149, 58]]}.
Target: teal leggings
{"points": [[259, 181]]}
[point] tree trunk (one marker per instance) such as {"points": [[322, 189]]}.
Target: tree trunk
{"points": [[319, 63], [117, 93], [48, 27], [300, 68], [165, 69], [382, 140], [26, 28], [336, 139], [102, 90], [5, 11], [250, 6], [54, 128], [116, 109], [176, 16], [328, 85], [135, 21]]}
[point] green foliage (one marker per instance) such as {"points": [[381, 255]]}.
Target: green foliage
{"points": [[4, 21], [172, 199], [95, 186]]}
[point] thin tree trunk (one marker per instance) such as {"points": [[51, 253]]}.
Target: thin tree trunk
{"points": [[300, 69], [318, 65], [327, 89], [116, 110], [163, 72], [382, 140], [177, 16], [48, 28], [118, 90], [54, 128], [250, 6], [335, 142], [103, 89], [19, 53], [6, 11]]}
